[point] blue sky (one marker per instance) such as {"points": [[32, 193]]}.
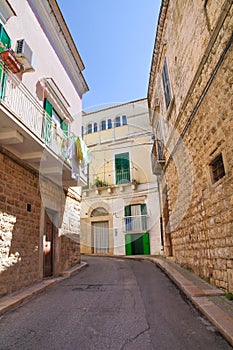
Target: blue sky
{"points": [[115, 40]]}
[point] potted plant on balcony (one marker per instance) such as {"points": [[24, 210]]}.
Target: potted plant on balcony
{"points": [[98, 182]]}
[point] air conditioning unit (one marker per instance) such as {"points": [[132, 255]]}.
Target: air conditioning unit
{"points": [[24, 55]]}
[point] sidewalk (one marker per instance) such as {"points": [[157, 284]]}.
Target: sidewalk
{"points": [[13, 300], [207, 298]]}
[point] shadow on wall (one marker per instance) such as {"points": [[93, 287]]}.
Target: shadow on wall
{"points": [[19, 252]]}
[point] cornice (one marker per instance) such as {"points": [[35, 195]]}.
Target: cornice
{"points": [[57, 32], [157, 49]]}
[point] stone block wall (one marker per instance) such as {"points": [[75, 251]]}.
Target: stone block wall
{"points": [[196, 128], [70, 232], [24, 198], [19, 227]]}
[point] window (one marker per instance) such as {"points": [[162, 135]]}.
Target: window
{"points": [[95, 127], [166, 84], [82, 130], [109, 123], [103, 125], [135, 217], [217, 168], [122, 168], [52, 117], [89, 128], [124, 120], [117, 121]]}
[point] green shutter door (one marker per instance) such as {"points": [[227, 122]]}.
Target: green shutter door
{"points": [[146, 244], [48, 120], [122, 168], [128, 246], [137, 244], [5, 44]]}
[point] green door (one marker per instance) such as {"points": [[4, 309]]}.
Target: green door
{"points": [[137, 244], [128, 247], [146, 244]]}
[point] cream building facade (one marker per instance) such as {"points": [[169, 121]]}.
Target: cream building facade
{"points": [[120, 212], [190, 100], [41, 88]]}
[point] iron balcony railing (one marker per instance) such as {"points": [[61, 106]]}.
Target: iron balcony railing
{"points": [[122, 176], [136, 223], [18, 99]]}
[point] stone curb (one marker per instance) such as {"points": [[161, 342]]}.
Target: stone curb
{"points": [[10, 302], [219, 318]]}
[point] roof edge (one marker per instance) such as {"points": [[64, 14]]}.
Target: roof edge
{"points": [[157, 44]]}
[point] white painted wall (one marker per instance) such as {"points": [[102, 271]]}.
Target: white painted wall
{"points": [[46, 63]]}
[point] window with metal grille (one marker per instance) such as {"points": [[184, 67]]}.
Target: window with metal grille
{"points": [[166, 84], [217, 168]]}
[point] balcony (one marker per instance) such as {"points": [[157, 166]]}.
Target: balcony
{"points": [[157, 157], [136, 224], [122, 176], [28, 132]]}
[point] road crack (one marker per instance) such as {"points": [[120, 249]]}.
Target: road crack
{"points": [[131, 340]]}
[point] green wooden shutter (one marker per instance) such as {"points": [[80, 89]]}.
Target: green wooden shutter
{"points": [[146, 243], [128, 246], [64, 127], [4, 39], [5, 43], [48, 120], [144, 219], [127, 210], [122, 168], [127, 220]]}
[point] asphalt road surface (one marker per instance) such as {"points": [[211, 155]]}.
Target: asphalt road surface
{"points": [[112, 304]]}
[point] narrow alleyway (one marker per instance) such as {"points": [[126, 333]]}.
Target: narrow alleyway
{"points": [[111, 304]]}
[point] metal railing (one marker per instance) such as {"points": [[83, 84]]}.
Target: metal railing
{"points": [[135, 223], [122, 176], [18, 99]]}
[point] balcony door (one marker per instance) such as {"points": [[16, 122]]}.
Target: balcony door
{"points": [[122, 168], [136, 218]]}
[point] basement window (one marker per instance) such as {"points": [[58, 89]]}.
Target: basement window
{"points": [[217, 168]]}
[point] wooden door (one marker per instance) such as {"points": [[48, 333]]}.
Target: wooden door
{"points": [[48, 245]]}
